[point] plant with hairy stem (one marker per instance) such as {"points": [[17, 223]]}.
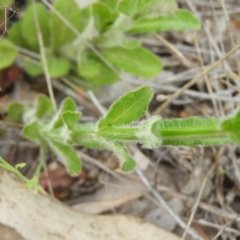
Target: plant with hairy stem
{"points": [[61, 131], [94, 43]]}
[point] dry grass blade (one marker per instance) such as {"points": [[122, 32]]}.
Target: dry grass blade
{"points": [[194, 208], [193, 81], [173, 49], [223, 228], [165, 205], [43, 56]]}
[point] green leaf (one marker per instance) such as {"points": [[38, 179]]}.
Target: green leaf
{"points": [[128, 108], [70, 118], [112, 4], [131, 43], [235, 139], [156, 8], [8, 53], [15, 112], [137, 8], [232, 124], [5, 3], [68, 105], [60, 32], [111, 38], [15, 34], [94, 70], [32, 69], [84, 18], [115, 38], [44, 107], [57, 66], [67, 154], [126, 161], [138, 61], [28, 26], [131, 7], [30, 131], [92, 143], [7, 166], [183, 20], [20, 165], [89, 64], [102, 15]]}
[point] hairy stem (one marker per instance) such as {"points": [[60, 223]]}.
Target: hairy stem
{"points": [[191, 131], [186, 132]]}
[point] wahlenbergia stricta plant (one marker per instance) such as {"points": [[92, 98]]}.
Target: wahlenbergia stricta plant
{"points": [[60, 131]]}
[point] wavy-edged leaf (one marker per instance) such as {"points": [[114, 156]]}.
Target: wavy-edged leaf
{"points": [[8, 53], [15, 112], [67, 154], [183, 20], [128, 108], [138, 61], [28, 26], [60, 32]]}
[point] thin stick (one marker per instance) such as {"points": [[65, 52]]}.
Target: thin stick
{"points": [[206, 79], [165, 205], [193, 81], [174, 50], [230, 33], [223, 228], [43, 56], [203, 222], [195, 207], [96, 102]]}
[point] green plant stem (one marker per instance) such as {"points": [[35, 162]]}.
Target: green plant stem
{"points": [[187, 132], [191, 131]]}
